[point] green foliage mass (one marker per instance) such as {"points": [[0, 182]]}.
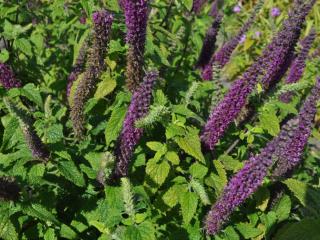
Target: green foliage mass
{"points": [[172, 181]]}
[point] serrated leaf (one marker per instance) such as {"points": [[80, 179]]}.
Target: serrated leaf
{"points": [[24, 45], [7, 229], [155, 146], [142, 231], [306, 229], [191, 145], [38, 211], [173, 157], [189, 203], [105, 87], [69, 170], [171, 197], [283, 208], [67, 232], [248, 231], [114, 124], [32, 93], [10, 131], [50, 235], [270, 122], [54, 133], [307, 195], [158, 172], [198, 170]]}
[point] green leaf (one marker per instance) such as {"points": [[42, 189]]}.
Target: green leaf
{"points": [[32, 93], [220, 179], [69, 170], [173, 157], [188, 4], [171, 197], [307, 195], [114, 124], [270, 122], [283, 208], [105, 87], [24, 45], [306, 229], [158, 172], [142, 231], [4, 55], [155, 146], [67, 232], [50, 235], [38, 211], [191, 145], [54, 133], [198, 170], [10, 131], [189, 203], [248, 231], [7, 229]]}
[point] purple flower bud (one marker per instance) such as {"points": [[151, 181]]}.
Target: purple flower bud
{"points": [[257, 34], [136, 13], [243, 38], [208, 46], [9, 189], [198, 5], [289, 144], [130, 135], [7, 78], [95, 66], [269, 68], [237, 9], [275, 12]]}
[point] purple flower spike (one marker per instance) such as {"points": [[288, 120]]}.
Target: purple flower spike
{"points": [[136, 13], [223, 55], [269, 67], [130, 135], [197, 5], [298, 65], [289, 155], [7, 78], [95, 66], [287, 148], [275, 12], [208, 46]]}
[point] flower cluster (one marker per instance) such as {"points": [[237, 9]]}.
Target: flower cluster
{"points": [[197, 5], [299, 63], [222, 57], [9, 189], [270, 66], [7, 78], [290, 154], [209, 42], [287, 148], [136, 13], [130, 135], [36, 146], [95, 65]]}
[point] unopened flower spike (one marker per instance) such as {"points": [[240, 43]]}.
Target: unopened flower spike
{"points": [[95, 66], [38, 149]]}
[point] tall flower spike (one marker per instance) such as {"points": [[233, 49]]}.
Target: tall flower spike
{"points": [[9, 189], [95, 65], [79, 65], [289, 155], [136, 13], [216, 5], [299, 63], [198, 5], [36, 146], [130, 135], [222, 57], [209, 42], [251, 176], [269, 67], [7, 78]]}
